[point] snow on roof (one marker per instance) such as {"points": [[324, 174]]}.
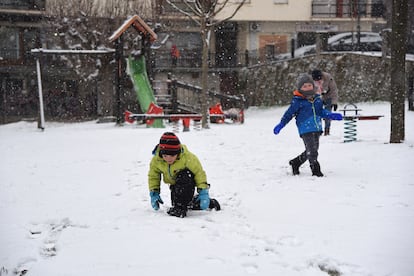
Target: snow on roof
{"points": [[138, 24]]}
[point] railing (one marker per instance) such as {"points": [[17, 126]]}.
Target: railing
{"points": [[163, 8], [192, 59], [23, 5], [352, 9], [186, 98]]}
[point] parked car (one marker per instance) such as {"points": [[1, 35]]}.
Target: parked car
{"points": [[348, 42], [369, 41]]}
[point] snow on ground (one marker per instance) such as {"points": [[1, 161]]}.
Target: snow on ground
{"points": [[74, 201]]}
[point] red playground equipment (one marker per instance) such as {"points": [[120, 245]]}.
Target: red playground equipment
{"points": [[216, 114]]}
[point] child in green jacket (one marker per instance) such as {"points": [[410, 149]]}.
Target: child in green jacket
{"points": [[182, 170]]}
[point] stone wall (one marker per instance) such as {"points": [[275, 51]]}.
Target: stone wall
{"points": [[360, 78]]}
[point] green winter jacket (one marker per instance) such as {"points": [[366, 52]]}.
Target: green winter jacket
{"points": [[185, 159]]}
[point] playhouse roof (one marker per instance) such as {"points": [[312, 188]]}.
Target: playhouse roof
{"points": [[138, 24]]}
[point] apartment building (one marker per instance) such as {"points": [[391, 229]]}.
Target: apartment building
{"points": [[275, 26]]}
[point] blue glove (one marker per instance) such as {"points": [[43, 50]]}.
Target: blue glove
{"points": [[204, 199], [278, 128], [335, 116], [156, 200]]}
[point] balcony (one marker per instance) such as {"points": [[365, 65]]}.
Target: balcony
{"points": [[22, 10], [347, 9], [190, 60], [165, 9], [23, 5]]}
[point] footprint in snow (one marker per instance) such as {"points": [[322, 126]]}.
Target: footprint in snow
{"points": [[289, 241], [215, 261], [250, 268]]}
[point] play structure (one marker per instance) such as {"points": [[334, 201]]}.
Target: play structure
{"points": [[39, 53], [145, 95], [350, 121], [216, 114], [153, 114]]}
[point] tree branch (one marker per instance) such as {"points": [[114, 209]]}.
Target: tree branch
{"points": [[230, 16], [186, 13]]}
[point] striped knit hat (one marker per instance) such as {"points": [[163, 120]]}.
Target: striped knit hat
{"points": [[169, 144]]}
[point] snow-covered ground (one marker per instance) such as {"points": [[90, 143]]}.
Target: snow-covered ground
{"points": [[74, 201]]}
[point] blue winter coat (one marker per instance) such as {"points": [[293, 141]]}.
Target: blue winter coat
{"points": [[308, 113]]}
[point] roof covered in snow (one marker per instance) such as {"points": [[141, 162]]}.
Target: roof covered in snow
{"points": [[138, 24]]}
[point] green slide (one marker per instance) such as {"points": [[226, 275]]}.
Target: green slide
{"points": [[138, 73]]}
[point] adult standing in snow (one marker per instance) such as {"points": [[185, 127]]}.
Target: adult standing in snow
{"points": [[326, 86], [183, 171], [307, 108]]}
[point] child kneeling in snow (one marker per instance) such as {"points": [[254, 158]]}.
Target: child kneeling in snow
{"points": [[307, 107], [183, 171]]}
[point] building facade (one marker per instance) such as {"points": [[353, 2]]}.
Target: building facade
{"points": [[258, 33], [273, 27]]}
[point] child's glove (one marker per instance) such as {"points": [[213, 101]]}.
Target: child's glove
{"points": [[335, 116], [156, 200], [278, 128], [204, 199]]}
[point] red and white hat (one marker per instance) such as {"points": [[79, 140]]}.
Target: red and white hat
{"points": [[169, 144]]}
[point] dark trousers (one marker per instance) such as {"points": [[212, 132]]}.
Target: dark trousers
{"points": [[311, 141], [182, 191], [327, 104]]}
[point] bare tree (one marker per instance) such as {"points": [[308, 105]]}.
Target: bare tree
{"points": [[206, 14], [71, 8], [398, 51], [86, 25], [100, 8], [117, 8]]}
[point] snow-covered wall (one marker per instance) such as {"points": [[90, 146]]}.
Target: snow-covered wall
{"points": [[360, 78]]}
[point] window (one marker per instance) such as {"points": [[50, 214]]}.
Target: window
{"points": [[280, 1], [9, 43], [270, 51]]}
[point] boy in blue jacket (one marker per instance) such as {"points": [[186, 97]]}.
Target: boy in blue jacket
{"points": [[307, 108]]}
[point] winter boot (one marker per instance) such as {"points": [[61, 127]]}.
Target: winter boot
{"points": [[316, 169], [195, 205], [295, 163], [177, 211], [327, 131], [214, 204]]}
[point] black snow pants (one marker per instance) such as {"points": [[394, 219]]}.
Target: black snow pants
{"points": [[182, 191]]}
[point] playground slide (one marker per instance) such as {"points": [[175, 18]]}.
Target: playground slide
{"points": [[145, 95]]}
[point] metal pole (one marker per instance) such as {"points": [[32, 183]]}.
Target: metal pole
{"points": [[358, 48], [118, 79], [41, 124], [3, 99], [411, 93]]}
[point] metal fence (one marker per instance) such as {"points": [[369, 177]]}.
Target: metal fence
{"points": [[186, 98], [191, 58]]}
